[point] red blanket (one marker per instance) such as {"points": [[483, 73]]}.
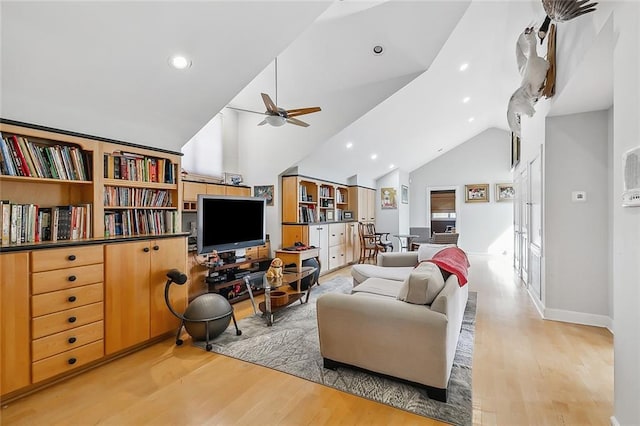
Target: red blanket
{"points": [[453, 260]]}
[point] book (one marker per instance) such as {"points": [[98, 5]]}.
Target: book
{"points": [[21, 165], [5, 212], [9, 161]]}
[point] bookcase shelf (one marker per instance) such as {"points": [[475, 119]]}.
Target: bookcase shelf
{"points": [[44, 180], [139, 184]]}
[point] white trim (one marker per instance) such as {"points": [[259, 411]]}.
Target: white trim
{"points": [[578, 318], [613, 421], [536, 302]]}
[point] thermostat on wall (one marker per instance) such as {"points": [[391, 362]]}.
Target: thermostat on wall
{"points": [[631, 164]]}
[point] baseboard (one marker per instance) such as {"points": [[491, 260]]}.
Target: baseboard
{"points": [[613, 421], [537, 303], [578, 318]]}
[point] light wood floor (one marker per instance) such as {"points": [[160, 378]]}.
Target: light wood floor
{"points": [[526, 371]]}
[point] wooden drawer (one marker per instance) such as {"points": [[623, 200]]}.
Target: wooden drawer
{"points": [[46, 260], [66, 361], [336, 234], [336, 257], [60, 300], [263, 251], [65, 320], [60, 279], [66, 340]]}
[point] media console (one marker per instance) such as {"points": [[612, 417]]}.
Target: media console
{"points": [[228, 279]]}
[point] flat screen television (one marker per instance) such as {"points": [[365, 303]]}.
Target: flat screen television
{"points": [[228, 222]]}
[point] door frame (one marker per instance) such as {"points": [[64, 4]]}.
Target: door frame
{"points": [[457, 192]]}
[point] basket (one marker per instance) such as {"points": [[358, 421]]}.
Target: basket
{"points": [[279, 298]]}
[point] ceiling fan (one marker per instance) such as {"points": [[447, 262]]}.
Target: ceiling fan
{"points": [[277, 116]]}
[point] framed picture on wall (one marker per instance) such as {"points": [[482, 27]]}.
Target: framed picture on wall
{"points": [[515, 150], [404, 194], [476, 193], [264, 191], [505, 191], [388, 198]]}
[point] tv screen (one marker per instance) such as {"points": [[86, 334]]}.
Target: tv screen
{"points": [[229, 222]]}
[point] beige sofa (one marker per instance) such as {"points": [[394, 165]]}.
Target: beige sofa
{"points": [[373, 329]]}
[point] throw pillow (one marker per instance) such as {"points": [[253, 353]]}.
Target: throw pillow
{"points": [[427, 250], [423, 285]]}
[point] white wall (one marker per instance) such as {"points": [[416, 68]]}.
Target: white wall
{"points": [[577, 233], [626, 221], [203, 153], [483, 227], [387, 219]]}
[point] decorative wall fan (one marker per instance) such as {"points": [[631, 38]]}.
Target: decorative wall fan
{"points": [[277, 116]]}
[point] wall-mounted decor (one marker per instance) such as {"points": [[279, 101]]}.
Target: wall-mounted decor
{"points": [[404, 194], [476, 193], [264, 191], [515, 150], [232, 179], [388, 198], [505, 191]]}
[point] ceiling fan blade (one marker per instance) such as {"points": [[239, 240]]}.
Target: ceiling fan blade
{"points": [[246, 110], [302, 111], [297, 122], [263, 122], [271, 106]]}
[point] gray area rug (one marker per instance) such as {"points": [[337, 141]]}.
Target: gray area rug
{"points": [[291, 345]]}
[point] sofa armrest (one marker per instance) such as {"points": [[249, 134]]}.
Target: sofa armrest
{"points": [[394, 259], [385, 335]]}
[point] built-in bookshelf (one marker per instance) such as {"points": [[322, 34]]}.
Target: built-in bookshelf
{"points": [[57, 185], [307, 200]]}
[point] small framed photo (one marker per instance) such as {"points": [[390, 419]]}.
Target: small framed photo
{"points": [[505, 191], [347, 214], [329, 214], [232, 179], [476, 193], [404, 194], [264, 191], [515, 150]]}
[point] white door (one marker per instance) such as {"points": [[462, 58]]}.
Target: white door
{"points": [[523, 246], [535, 236], [319, 237]]}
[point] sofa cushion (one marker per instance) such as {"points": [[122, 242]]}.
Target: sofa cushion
{"points": [[379, 286], [427, 250], [423, 285], [362, 271]]}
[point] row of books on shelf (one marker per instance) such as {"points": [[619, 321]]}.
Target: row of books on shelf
{"points": [[326, 192], [307, 213], [20, 156], [140, 222], [130, 166], [30, 223], [131, 197]]}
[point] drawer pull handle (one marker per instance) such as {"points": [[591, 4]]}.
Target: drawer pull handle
{"points": [[71, 298], [72, 319], [146, 249], [72, 257], [72, 361], [72, 340], [72, 278]]}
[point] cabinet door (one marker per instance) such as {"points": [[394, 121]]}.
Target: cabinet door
{"points": [[192, 189], [238, 190], [15, 339], [319, 237], [351, 238], [363, 203], [214, 189], [167, 254], [371, 205], [126, 295], [293, 233]]}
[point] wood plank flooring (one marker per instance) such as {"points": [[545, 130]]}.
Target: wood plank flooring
{"points": [[526, 371]]}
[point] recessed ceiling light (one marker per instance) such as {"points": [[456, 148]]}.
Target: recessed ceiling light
{"points": [[391, 166], [374, 156], [378, 50], [464, 66], [179, 62], [465, 100], [471, 119], [349, 145]]}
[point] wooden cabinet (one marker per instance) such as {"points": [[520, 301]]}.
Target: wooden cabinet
{"points": [[352, 242], [192, 189], [319, 237], [15, 358], [67, 309], [135, 276], [363, 203], [337, 245], [295, 233]]}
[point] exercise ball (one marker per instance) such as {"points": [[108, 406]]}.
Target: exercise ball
{"points": [[311, 279], [205, 309]]}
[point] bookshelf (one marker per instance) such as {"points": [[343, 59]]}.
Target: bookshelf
{"points": [[104, 188]]}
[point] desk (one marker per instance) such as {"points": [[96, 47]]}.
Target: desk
{"points": [[405, 240], [291, 256]]}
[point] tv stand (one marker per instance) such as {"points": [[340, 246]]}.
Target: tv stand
{"points": [[229, 281]]}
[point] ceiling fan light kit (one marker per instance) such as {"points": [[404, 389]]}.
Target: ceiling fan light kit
{"points": [[276, 116]]}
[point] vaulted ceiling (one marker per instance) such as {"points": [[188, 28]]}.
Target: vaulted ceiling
{"points": [[101, 68]]}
